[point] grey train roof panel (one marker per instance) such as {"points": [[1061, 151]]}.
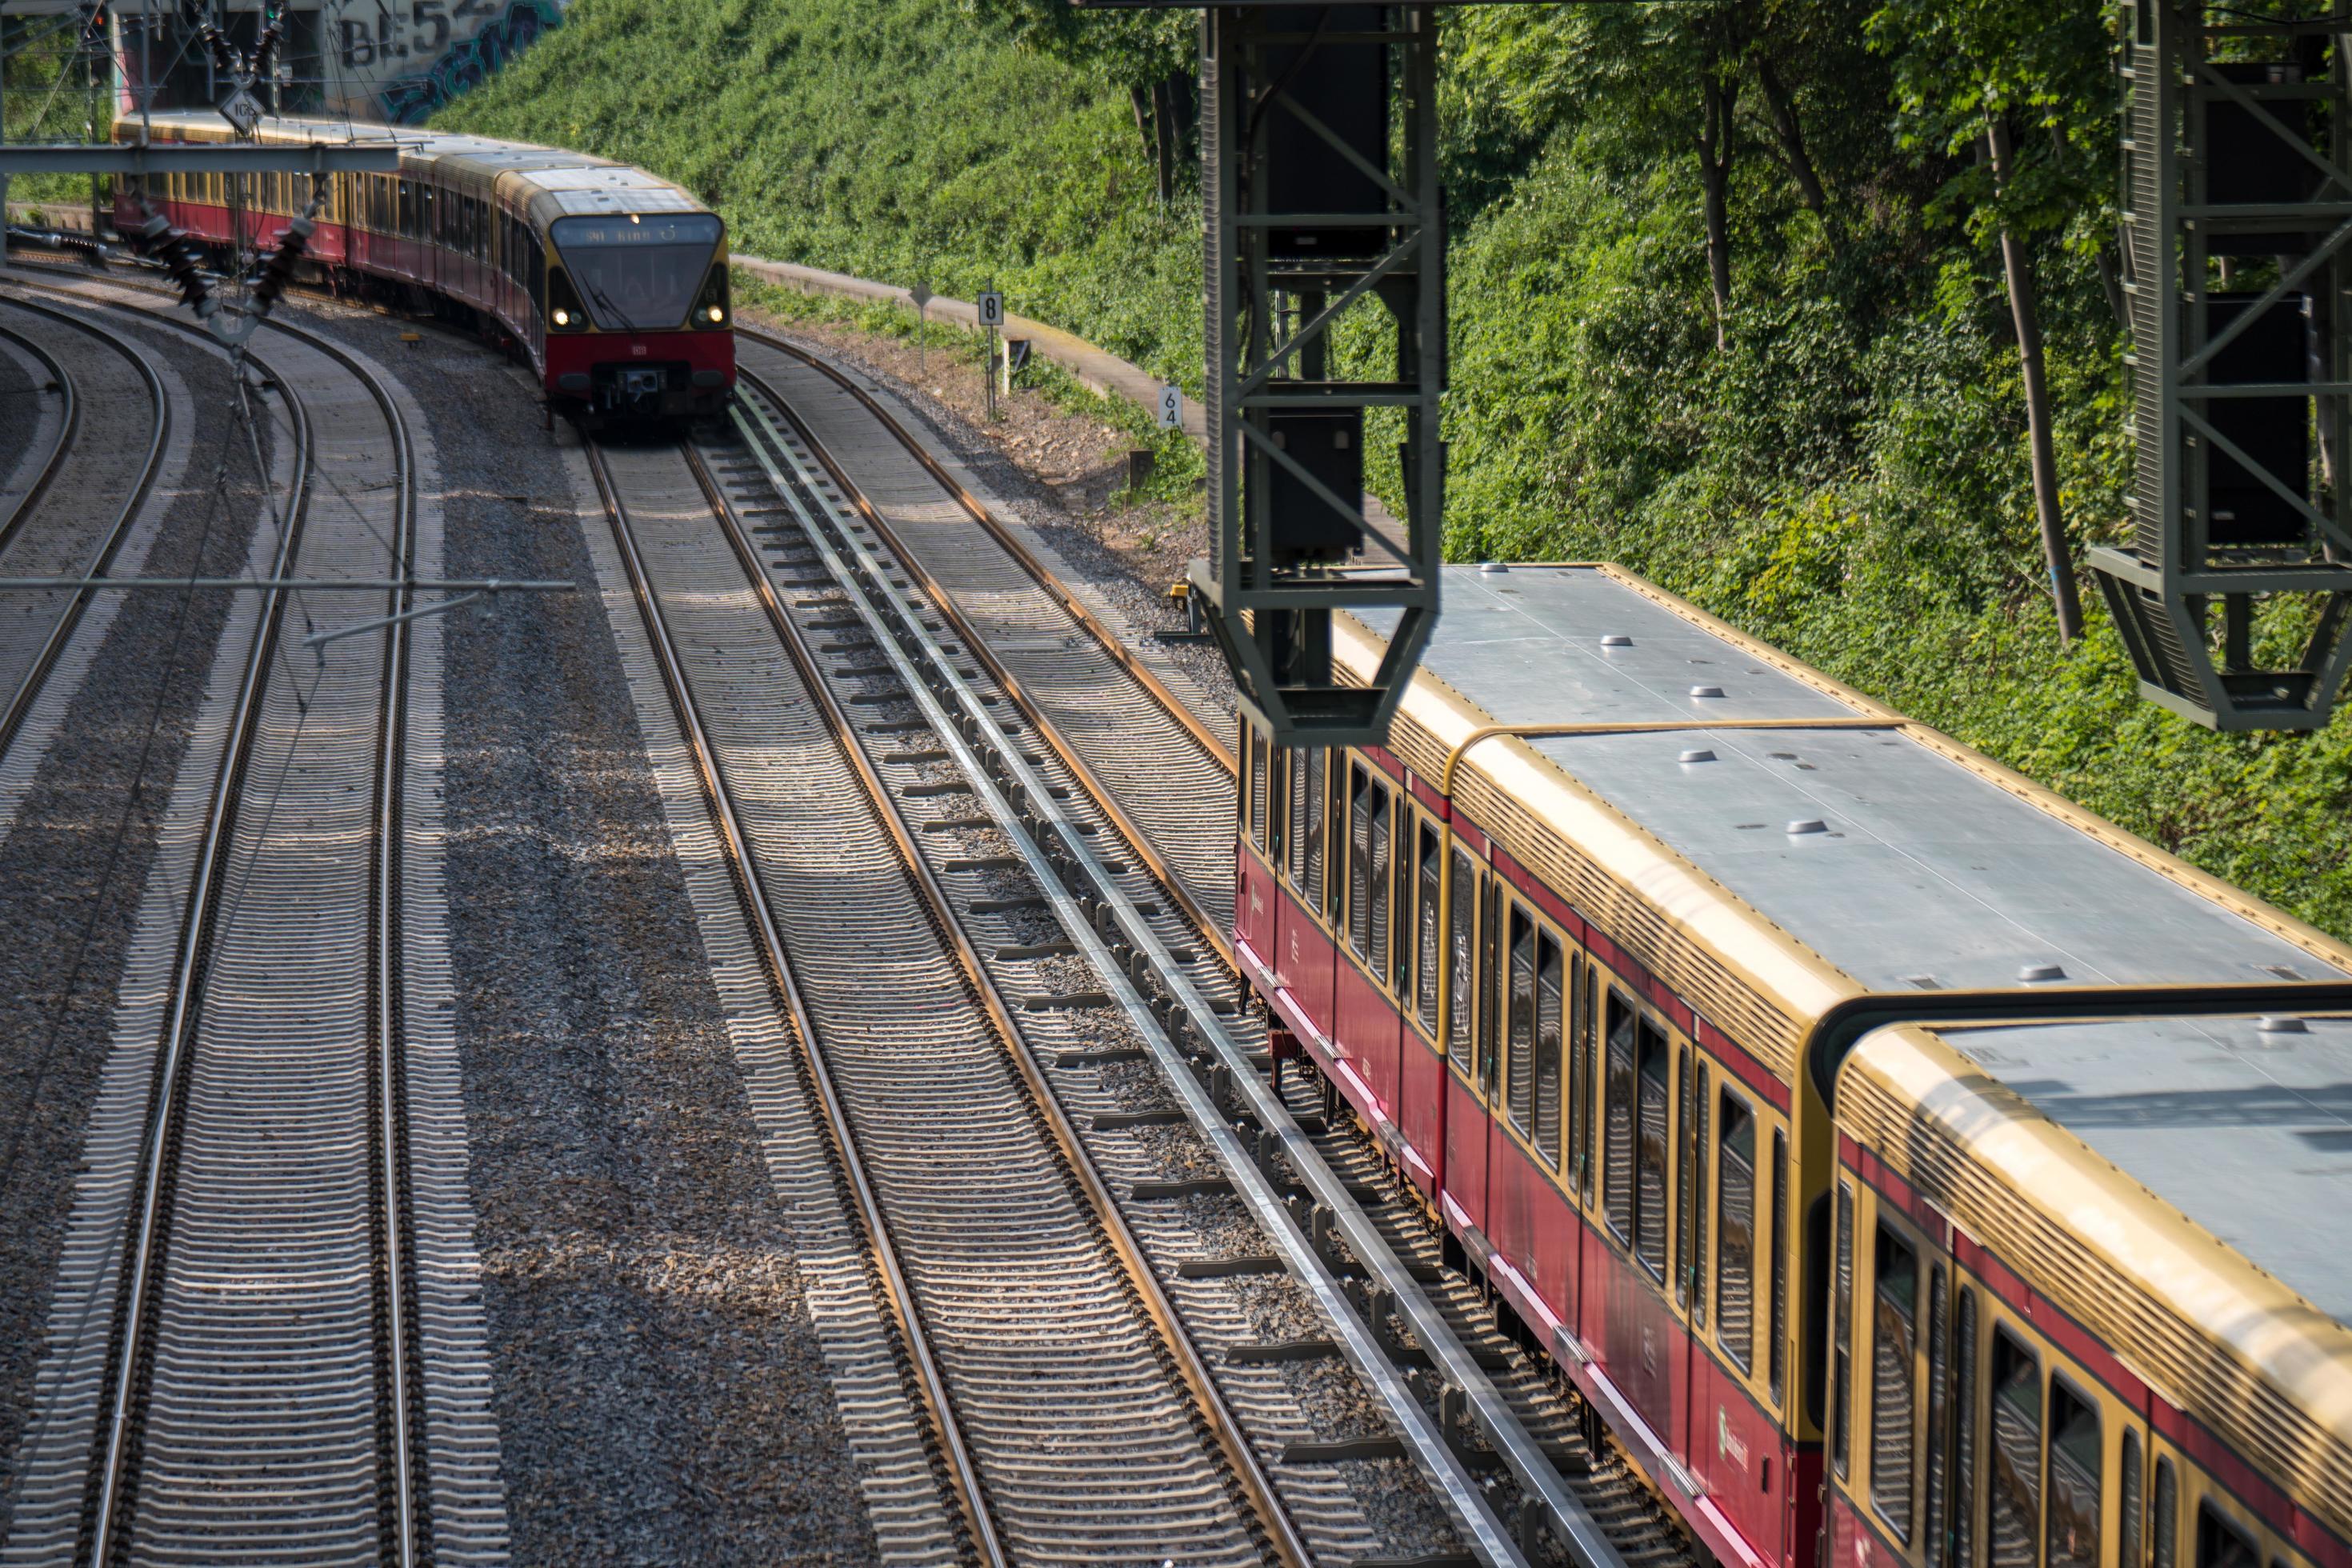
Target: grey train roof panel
{"points": [[1922, 874], [2231, 1124]]}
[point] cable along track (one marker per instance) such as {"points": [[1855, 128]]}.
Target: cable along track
{"points": [[1073, 1422], [1327, 1205], [72, 519], [261, 1393]]}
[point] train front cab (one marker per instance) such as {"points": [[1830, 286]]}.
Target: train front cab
{"points": [[1975, 1423], [638, 322], [1621, 1174]]}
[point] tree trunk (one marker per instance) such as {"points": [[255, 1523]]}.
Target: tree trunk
{"points": [[1791, 135], [2019, 267], [1718, 95], [1163, 113], [1144, 120]]}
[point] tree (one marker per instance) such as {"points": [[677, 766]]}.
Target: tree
{"points": [[1152, 54], [1974, 73]]}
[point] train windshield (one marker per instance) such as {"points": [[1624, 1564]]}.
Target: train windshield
{"points": [[638, 272]]}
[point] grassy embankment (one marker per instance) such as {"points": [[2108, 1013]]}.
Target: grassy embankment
{"points": [[1846, 479]]}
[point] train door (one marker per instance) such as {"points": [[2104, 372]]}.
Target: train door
{"points": [[1471, 1033], [1692, 1154], [1631, 1273]]}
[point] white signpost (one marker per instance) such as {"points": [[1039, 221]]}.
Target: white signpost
{"points": [[991, 315], [1171, 407], [922, 295]]}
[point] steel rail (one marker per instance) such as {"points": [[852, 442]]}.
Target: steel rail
{"points": [[138, 1304], [1066, 852], [20, 703], [962, 1471], [1041, 830], [1104, 797], [1013, 545], [1233, 1444], [109, 1486], [68, 427], [389, 1064]]}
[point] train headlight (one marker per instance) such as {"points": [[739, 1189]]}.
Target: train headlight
{"points": [[562, 317], [716, 313]]}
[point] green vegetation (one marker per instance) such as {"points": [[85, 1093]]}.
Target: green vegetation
{"points": [[57, 91], [1814, 426]]}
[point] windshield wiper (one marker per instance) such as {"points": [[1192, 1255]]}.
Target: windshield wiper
{"points": [[601, 298]]}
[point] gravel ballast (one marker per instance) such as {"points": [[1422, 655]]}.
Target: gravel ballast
{"points": [[660, 1396], [76, 861]]}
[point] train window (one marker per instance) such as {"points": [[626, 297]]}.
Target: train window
{"points": [[2072, 1517], [2165, 1527], [1462, 943], [1426, 957], [1580, 983], [2014, 1490], [1550, 1005], [2221, 1543], [1842, 1342], [1938, 1408], [2127, 1504], [1359, 861], [1401, 972], [1682, 1190], [1335, 838], [1617, 1132], [1591, 1078], [1317, 767], [1490, 985], [1376, 878], [1303, 808], [1735, 1232], [1650, 1151], [1694, 1193], [1964, 1430], [1277, 806], [1254, 808], [1519, 1075], [1894, 1392], [1777, 1330]]}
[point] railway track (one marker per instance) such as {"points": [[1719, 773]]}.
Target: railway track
{"points": [[1077, 717], [1072, 1420], [71, 521], [258, 1345]]}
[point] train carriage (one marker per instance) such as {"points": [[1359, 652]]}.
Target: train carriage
{"points": [[2091, 1284], [612, 283], [1584, 944]]}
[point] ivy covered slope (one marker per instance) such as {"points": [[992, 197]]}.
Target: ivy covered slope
{"points": [[1729, 307]]}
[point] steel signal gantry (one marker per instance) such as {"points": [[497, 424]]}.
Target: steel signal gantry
{"points": [[1312, 208], [2234, 592]]}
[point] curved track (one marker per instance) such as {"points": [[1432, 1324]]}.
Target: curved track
{"points": [[72, 521], [251, 1378], [1047, 1339], [61, 423]]}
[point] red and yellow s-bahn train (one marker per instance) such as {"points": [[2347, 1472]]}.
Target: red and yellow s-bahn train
{"points": [[612, 282], [1910, 1169]]}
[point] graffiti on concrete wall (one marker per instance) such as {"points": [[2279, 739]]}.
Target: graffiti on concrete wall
{"points": [[400, 62]]}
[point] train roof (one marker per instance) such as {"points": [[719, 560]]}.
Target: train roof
{"points": [[2147, 1174], [1902, 860], [563, 182], [2234, 1124]]}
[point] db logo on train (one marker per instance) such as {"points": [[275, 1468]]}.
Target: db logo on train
{"points": [[1726, 1446]]}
